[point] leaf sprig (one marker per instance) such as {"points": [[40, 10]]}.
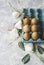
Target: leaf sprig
{"points": [[40, 49], [26, 58], [21, 45]]}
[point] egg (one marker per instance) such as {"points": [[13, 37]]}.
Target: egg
{"points": [[26, 28], [34, 28], [35, 35], [26, 17], [26, 21], [26, 36], [34, 21]]}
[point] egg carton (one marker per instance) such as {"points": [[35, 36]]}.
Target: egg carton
{"points": [[39, 14]]}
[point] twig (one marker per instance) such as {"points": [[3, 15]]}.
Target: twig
{"points": [[13, 8], [41, 58]]}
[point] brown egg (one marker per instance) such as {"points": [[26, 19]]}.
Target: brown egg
{"points": [[34, 28], [35, 35], [26, 36], [26, 16], [34, 21], [26, 21], [26, 28]]}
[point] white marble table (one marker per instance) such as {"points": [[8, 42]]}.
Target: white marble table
{"points": [[12, 54]]}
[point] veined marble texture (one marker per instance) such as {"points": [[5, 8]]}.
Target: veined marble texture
{"points": [[12, 54]]}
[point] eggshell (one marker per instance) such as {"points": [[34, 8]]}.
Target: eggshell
{"points": [[26, 36], [35, 35], [26, 21], [26, 28], [34, 21], [34, 28]]}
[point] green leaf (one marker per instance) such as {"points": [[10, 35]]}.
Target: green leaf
{"points": [[21, 45], [40, 49], [19, 31], [26, 58]]}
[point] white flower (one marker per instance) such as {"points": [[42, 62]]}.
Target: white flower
{"points": [[19, 24], [16, 14]]}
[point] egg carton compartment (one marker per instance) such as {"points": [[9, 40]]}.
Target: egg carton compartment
{"points": [[31, 40], [38, 14]]}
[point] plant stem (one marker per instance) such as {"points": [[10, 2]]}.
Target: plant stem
{"points": [[41, 58], [34, 47]]}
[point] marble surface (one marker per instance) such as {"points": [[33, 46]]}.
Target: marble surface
{"points": [[11, 54]]}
